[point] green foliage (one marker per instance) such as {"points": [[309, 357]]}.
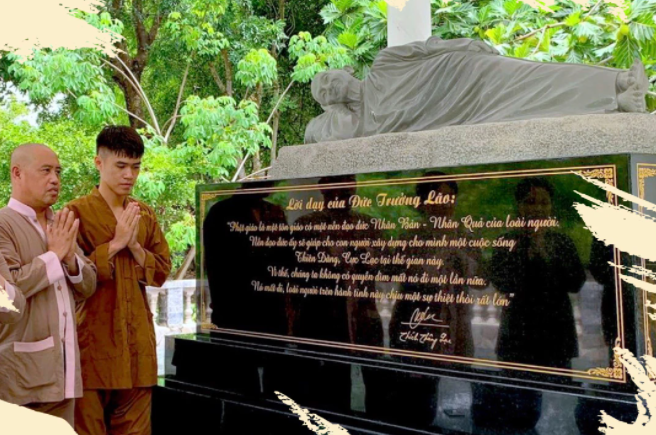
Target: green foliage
{"points": [[168, 185], [219, 132], [314, 55], [257, 67], [77, 74], [360, 26], [195, 25]]}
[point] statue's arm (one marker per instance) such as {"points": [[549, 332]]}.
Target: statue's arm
{"points": [[335, 124]]}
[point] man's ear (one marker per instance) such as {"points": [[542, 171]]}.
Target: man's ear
{"points": [[98, 162], [15, 172]]}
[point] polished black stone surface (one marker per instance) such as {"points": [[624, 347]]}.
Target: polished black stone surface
{"points": [[521, 344]]}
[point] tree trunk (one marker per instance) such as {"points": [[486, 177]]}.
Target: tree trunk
{"points": [[274, 137], [137, 63], [134, 104], [276, 93], [257, 162], [281, 9], [189, 259], [227, 65]]}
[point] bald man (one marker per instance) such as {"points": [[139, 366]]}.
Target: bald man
{"points": [[39, 357]]}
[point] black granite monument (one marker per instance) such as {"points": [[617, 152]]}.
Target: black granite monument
{"points": [[464, 299]]}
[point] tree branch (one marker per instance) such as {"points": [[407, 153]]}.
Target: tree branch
{"points": [[605, 61], [169, 120], [228, 71], [133, 115], [140, 28], [241, 166], [594, 9], [254, 173], [189, 258], [145, 98], [537, 47], [278, 102], [119, 106], [177, 104], [154, 29], [548, 26], [116, 5], [217, 78], [129, 80]]}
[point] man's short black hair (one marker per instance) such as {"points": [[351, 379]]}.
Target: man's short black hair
{"points": [[121, 140], [524, 187]]}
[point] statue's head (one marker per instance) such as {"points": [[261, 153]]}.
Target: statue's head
{"points": [[337, 86]]}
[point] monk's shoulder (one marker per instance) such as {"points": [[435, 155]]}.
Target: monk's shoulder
{"points": [[8, 216], [9, 221], [82, 201], [80, 205], [5, 213]]}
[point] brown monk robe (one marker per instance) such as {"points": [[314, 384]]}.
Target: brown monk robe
{"points": [[116, 331], [122, 237]]}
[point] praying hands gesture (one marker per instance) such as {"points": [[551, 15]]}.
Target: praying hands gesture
{"points": [[126, 229], [62, 238], [127, 233]]}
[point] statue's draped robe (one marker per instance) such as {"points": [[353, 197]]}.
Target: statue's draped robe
{"points": [[427, 85], [437, 83]]}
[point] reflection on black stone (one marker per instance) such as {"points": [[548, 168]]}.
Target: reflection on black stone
{"points": [[232, 293], [427, 327], [536, 274], [339, 319], [537, 328], [225, 252], [588, 410]]}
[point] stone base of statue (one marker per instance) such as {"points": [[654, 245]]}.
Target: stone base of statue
{"points": [[546, 138], [553, 377]]}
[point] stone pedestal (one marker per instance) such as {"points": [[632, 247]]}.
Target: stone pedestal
{"points": [[548, 138]]}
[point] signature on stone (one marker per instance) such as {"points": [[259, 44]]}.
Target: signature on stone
{"points": [[424, 318]]}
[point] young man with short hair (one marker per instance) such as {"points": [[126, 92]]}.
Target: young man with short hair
{"points": [[117, 337]]}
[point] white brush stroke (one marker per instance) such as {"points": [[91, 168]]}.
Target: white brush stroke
{"points": [[18, 420], [322, 426], [5, 303], [632, 232], [628, 230], [640, 372], [398, 4], [35, 24]]}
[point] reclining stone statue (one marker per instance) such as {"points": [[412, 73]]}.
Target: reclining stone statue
{"points": [[430, 84]]}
